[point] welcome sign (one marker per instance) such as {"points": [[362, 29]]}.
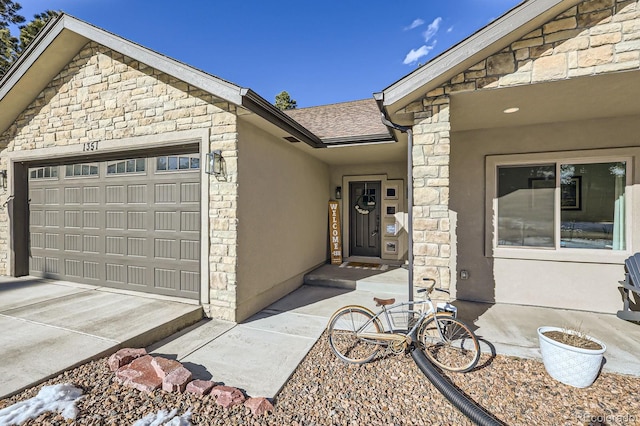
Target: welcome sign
{"points": [[335, 233]]}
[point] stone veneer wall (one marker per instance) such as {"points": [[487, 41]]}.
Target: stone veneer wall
{"points": [[102, 95], [594, 37]]}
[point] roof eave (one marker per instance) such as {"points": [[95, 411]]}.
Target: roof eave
{"points": [[260, 106], [511, 26]]}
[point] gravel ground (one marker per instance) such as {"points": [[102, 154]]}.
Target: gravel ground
{"points": [[390, 390]]}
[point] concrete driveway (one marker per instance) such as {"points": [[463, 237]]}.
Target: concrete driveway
{"points": [[49, 326]]}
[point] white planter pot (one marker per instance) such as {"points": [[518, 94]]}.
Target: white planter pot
{"points": [[570, 365]]}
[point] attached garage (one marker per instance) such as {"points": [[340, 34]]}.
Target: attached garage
{"points": [[127, 223]]}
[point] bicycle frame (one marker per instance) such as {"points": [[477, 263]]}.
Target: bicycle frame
{"points": [[392, 333]]}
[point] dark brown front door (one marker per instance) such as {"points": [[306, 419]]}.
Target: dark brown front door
{"points": [[364, 218]]}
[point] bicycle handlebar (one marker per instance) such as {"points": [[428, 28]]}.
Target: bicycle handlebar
{"points": [[431, 287]]}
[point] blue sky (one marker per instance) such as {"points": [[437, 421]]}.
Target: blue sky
{"points": [[320, 52]]}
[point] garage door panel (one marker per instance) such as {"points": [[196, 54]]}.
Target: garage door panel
{"points": [[137, 194], [137, 229], [73, 268], [165, 193], [114, 194], [90, 243], [165, 221], [52, 196], [91, 195], [73, 242], [190, 192], [91, 219], [52, 218], [115, 219], [73, 219], [72, 196], [189, 281], [190, 221]]}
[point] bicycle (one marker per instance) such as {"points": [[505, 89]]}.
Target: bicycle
{"points": [[356, 334]]}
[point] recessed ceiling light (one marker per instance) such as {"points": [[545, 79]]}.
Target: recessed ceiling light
{"points": [[511, 110]]}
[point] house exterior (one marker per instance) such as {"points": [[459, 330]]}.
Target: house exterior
{"points": [[105, 150], [526, 153], [523, 146]]}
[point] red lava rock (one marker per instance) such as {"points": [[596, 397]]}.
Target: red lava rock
{"points": [[200, 387], [259, 406], [176, 380], [164, 366], [140, 374], [124, 357], [227, 396]]}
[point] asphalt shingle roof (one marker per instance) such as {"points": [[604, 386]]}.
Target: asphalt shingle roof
{"points": [[351, 120]]}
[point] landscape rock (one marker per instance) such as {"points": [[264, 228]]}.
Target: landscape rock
{"points": [[164, 366], [259, 406], [124, 357], [200, 387], [176, 380], [140, 374], [227, 396]]}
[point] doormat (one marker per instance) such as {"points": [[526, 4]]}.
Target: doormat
{"points": [[364, 265]]}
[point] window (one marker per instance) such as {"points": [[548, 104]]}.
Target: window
{"points": [[75, 170], [178, 162], [136, 165], [578, 205], [47, 172]]}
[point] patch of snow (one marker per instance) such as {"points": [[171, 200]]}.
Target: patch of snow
{"points": [[61, 398], [165, 418]]}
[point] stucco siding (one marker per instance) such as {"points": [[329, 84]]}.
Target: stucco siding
{"points": [[282, 218], [579, 285]]}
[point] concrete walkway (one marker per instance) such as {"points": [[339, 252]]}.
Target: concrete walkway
{"points": [[48, 327]]}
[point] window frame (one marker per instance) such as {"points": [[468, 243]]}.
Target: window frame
{"points": [[557, 253]]}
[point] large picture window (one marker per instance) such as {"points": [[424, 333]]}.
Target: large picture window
{"points": [[579, 205]]}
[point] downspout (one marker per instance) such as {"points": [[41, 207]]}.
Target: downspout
{"points": [[409, 131]]}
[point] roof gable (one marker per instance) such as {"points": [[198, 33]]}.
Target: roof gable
{"points": [[63, 38], [499, 34]]}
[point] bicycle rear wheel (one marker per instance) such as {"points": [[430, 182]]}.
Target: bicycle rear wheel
{"points": [[457, 349], [343, 339]]}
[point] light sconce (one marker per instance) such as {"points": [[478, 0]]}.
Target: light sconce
{"points": [[215, 163], [3, 179], [338, 192]]}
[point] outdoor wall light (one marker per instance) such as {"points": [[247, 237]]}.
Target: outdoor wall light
{"points": [[214, 164], [338, 192], [3, 179]]}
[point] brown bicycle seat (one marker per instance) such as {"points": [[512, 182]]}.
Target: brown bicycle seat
{"points": [[384, 302]]}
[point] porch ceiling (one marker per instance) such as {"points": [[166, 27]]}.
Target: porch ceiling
{"points": [[373, 153], [583, 98]]}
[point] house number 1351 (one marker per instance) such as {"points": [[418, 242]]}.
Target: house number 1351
{"points": [[90, 146]]}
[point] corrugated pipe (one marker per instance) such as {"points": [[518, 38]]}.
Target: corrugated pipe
{"points": [[467, 407]]}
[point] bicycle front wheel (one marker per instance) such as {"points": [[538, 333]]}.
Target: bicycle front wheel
{"points": [[449, 343], [343, 330]]}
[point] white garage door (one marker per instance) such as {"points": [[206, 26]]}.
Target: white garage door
{"points": [[131, 223]]}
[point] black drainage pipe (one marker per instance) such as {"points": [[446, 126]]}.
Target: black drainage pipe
{"points": [[467, 407]]}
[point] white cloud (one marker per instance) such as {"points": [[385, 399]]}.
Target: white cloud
{"points": [[450, 29], [414, 54], [415, 24], [432, 29]]}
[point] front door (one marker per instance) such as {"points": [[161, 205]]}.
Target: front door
{"points": [[364, 219]]}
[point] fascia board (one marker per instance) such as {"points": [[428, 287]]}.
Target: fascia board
{"points": [[516, 23]]}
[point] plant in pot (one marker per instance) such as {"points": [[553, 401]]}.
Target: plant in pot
{"points": [[570, 356]]}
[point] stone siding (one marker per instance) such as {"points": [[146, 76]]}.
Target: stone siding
{"points": [[594, 37], [102, 95]]}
